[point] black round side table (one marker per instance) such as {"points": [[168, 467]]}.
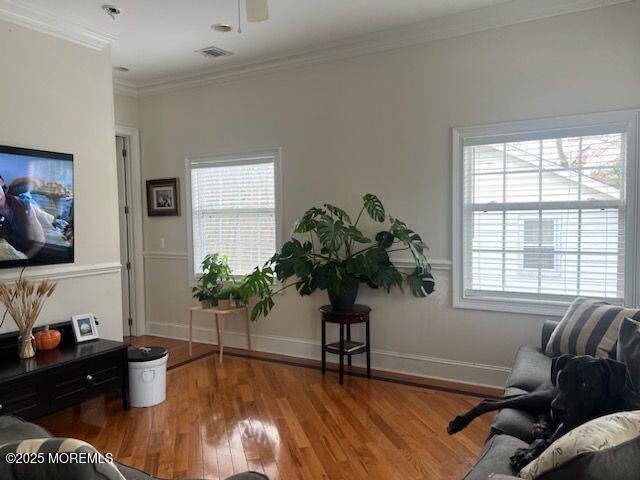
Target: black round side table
{"points": [[345, 318]]}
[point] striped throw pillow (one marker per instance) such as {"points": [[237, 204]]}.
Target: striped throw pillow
{"points": [[55, 459], [590, 327]]}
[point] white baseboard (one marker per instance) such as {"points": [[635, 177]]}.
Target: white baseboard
{"points": [[469, 373]]}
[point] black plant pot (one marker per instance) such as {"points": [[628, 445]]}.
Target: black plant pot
{"points": [[344, 299]]}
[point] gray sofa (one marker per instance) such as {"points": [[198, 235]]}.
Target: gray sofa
{"points": [[13, 429], [511, 429]]}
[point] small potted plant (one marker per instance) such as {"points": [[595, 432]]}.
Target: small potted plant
{"points": [[228, 297], [215, 270]]}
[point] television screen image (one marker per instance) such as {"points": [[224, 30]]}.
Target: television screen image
{"points": [[36, 207]]}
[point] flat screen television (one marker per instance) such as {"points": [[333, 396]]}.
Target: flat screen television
{"points": [[36, 207]]}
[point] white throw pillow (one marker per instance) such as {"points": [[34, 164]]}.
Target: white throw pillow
{"points": [[598, 435]]}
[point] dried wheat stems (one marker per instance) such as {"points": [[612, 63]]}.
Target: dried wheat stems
{"points": [[24, 301]]}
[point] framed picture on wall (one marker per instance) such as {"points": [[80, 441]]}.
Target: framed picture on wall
{"points": [[162, 198]]}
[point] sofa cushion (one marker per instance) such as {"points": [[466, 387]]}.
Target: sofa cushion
{"points": [[590, 327], [131, 473], [515, 423], [13, 429], [495, 457], [511, 391], [531, 368], [628, 351], [55, 459], [248, 476]]}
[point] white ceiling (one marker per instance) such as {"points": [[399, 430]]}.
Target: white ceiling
{"points": [[157, 38]]}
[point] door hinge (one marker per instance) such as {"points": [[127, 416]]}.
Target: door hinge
{"points": [[130, 321], [126, 210], [128, 265], [124, 152]]}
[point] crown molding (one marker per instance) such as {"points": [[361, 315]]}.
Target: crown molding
{"points": [[464, 23], [20, 13]]}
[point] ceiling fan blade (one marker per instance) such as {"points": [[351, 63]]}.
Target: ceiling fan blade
{"points": [[257, 10]]}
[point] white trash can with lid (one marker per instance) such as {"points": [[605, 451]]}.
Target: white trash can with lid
{"points": [[147, 375]]}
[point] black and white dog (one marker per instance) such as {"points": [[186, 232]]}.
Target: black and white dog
{"points": [[581, 388]]}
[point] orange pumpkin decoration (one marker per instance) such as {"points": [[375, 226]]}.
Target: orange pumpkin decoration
{"points": [[47, 339]]}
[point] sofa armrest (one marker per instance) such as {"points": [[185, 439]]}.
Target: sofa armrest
{"points": [[547, 329]]}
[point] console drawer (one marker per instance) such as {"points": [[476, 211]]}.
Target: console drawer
{"points": [[67, 385], [21, 398]]}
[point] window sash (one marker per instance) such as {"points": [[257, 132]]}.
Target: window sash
{"points": [[199, 215], [545, 206], [582, 125]]}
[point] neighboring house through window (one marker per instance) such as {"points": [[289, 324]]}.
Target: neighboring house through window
{"points": [[538, 246], [545, 211], [234, 208]]}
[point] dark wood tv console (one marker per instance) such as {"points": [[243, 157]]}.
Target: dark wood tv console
{"points": [[56, 379]]}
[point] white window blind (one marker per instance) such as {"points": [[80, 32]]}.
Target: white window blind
{"points": [[542, 215], [545, 218], [233, 210]]}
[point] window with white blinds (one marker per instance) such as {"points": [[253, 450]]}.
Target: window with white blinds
{"points": [[234, 209], [543, 214]]}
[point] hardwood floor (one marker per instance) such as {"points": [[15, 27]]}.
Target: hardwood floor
{"points": [[286, 421]]}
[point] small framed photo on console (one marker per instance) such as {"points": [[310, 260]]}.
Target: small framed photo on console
{"points": [[84, 327]]}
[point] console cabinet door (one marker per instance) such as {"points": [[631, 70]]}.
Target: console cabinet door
{"points": [[68, 385], [105, 374]]}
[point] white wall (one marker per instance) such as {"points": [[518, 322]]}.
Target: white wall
{"points": [[382, 124], [55, 95], [126, 111]]}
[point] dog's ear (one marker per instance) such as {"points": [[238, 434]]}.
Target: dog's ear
{"points": [[616, 373], [557, 364]]}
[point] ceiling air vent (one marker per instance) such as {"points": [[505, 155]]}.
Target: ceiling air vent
{"points": [[214, 52]]}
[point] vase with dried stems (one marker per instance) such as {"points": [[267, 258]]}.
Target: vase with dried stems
{"points": [[24, 301]]}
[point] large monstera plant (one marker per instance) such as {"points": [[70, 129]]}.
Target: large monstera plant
{"points": [[328, 251]]}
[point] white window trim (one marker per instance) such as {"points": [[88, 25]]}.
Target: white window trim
{"points": [[629, 121], [230, 158]]}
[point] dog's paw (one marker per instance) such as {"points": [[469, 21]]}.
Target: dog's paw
{"points": [[521, 458], [540, 430], [456, 425]]}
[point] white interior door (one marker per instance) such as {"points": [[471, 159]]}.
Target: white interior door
{"points": [[128, 309]]}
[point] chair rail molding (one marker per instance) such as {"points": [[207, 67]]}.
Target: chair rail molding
{"points": [[166, 255], [43, 20], [61, 272], [403, 263]]}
